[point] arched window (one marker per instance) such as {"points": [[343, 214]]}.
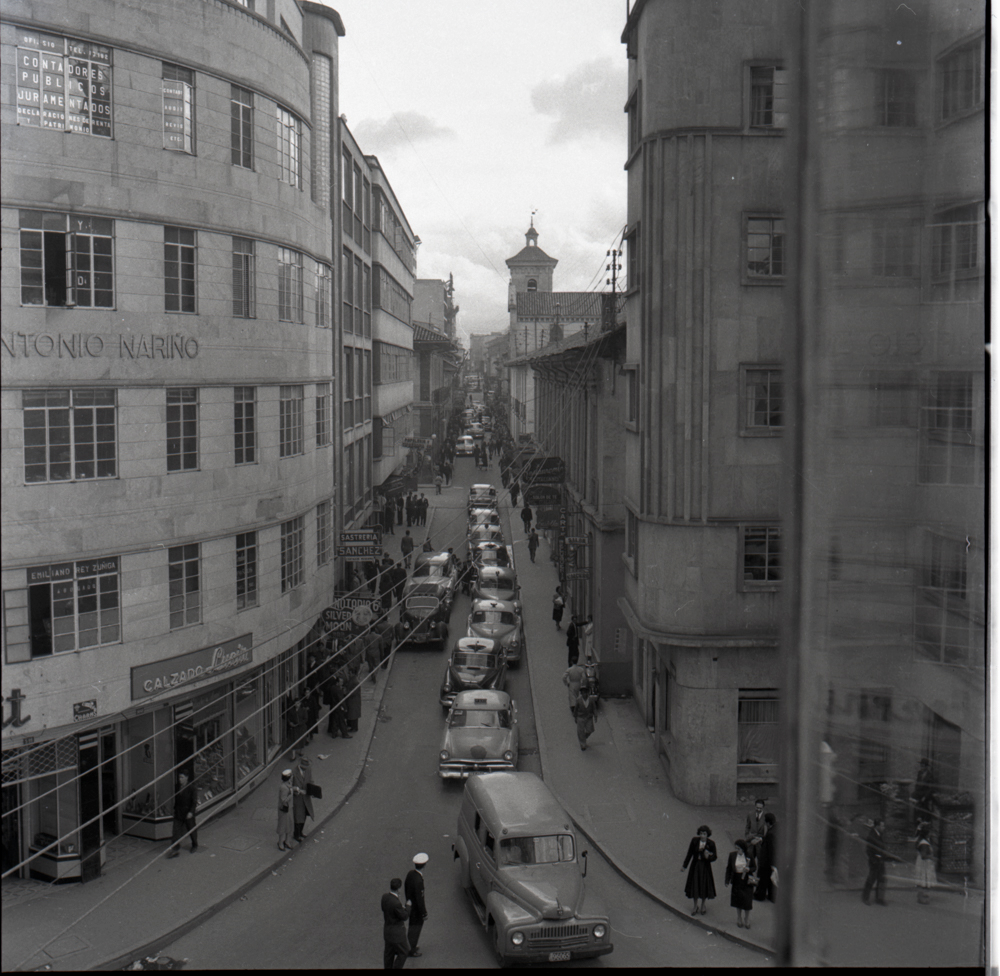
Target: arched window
{"points": [[532, 285]]}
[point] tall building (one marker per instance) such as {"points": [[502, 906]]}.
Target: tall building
{"points": [[169, 372]]}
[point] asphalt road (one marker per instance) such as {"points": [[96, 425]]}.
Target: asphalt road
{"points": [[321, 908]]}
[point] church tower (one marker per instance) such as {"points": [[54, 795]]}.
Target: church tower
{"points": [[531, 268]]}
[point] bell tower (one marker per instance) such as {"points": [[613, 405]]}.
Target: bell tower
{"points": [[531, 268]]}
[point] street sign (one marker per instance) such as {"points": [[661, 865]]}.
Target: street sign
{"points": [[360, 544], [578, 574], [360, 552], [542, 495], [577, 540], [544, 470], [367, 537], [416, 443]]}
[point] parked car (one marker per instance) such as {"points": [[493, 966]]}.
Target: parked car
{"points": [[476, 431], [423, 617], [475, 663], [520, 860], [494, 582], [483, 516], [480, 735], [465, 445], [485, 533], [439, 569], [490, 553], [482, 496], [500, 621]]}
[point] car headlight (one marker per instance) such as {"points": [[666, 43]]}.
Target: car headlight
{"points": [[508, 756], [600, 931], [517, 938], [445, 755]]}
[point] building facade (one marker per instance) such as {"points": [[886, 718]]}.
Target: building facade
{"points": [[169, 373]]}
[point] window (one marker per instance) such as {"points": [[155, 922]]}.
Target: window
{"points": [[957, 251], [634, 108], [324, 538], [768, 96], [245, 424], [185, 585], [179, 269], [182, 429], [347, 291], [368, 302], [63, 84], [367, 375], [757, 726], [348, 386], [765, 247], [948, 452], [69, 435], [347, 179], [291, 301], [894, 248], [324, 295], [358, 204], [367, 216], [66, 260], [960, 82], [246, 570], [324, 401], [764, 399], [942, 621], [291, 553], [74, 605], [241, 129], [359, 386], [632, 263], [892, 398], [290, 148], [761, 556], [896, 98], [291, 418], [178, 108], [321, 115], [244, 285], [359, 297], [532, 284], [632, 539]]}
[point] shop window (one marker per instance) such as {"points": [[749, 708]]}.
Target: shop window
{"points": [[182, 429], [53, 797], [291, 410], [184, 576], [241, 135], [245, 424], [69, 435], [246, 570], [249, 729], [179, 264], [63, 84], [203, 744], [178, 108], [148, 739]]}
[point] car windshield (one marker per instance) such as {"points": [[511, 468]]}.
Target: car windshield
{"points": [[494, 617], [465, 659], [479, 718], [537, 850], [429, 569]]}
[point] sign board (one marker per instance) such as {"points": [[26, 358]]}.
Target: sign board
{"points": [[360, 544], [546, 516], [542, 495], [577, 540], [578, 574], [208, 662], [360, 552], [416, 443], [544, 471], [351, 610]]}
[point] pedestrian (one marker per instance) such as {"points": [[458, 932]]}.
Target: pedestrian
{"points": [[574, 679], [526, 516], [353, 703], [296, 722], [399, 582], [409, 509], [336, 723], [741, 875], [372, 652], [876, 854], [425, 503], [446, 468], [515, 490], [302, 804], [572, 642], [504, 474], [389, 517], [754, 832], [924, 870], [400, 508], [923, 790], [185, 802], [584, 714], [587, 636], [428, 545], [394, 916], [285, 811], [700, 882], [438, 482], [766, 863], [413, 888], [558, 603], [533, 544], [406, 546]]}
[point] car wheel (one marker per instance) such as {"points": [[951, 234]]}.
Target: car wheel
{"points": [[498, 947]]}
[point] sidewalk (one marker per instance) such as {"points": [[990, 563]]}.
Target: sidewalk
{"points": [[616, 792]]}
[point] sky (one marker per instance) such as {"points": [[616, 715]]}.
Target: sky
{"points": [[483, 111]]}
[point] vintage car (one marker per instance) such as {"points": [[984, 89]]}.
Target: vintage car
{"points": [[489, 553], [485, 533], [500, 621], [482, 496], [465, 445], [520, 860], [480, 735], [483, 516], [439, 569], [423, 616], [474, 663], [475, 430], [490, 581]]}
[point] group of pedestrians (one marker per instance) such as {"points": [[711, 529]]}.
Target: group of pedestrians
{"points": [[751, 867], [295, 795], [416, 506], [403, 920]]}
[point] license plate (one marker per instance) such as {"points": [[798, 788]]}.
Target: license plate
{"points": [[559, 956]]}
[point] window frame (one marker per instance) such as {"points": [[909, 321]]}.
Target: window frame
{"points": [[245, 291], [245, 439], [324, 295], [772, 529], [241, 128], [291, 420], [941, 605], [182, 248], [292, 553], [945, 115], [324, 532], [179, 136], [895, 97], [779, 119], [289, 147], [182, 397], [934, 406], [180, 560], [324, 418], [246, 571], [291, 285], [764, 279], [748, 413]]}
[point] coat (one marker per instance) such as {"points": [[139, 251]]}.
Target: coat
{"points": [[302, 805], [353, 703], [413, 887], [573, 679], [700, 882], [285, 818], [184, 802], [742, 896], [394, 916]]}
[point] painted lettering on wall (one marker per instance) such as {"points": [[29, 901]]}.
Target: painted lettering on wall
{"points": [[93, 345]]}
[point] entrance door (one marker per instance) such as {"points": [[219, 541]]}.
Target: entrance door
{"points": [[11, 826], [109, 783], [90, 807]]}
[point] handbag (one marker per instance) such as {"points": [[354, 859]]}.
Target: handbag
{"points": [[283, 808], [314, 791]]}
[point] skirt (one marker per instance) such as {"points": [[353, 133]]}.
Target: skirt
{"points": [[285, 825], [700, 883]]}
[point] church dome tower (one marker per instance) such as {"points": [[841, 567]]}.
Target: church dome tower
{"points": [[531, 268]]}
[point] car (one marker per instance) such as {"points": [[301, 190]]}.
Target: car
{"points": [[491, 581], [500, 621], [483, 516], [476, 431], [485, 533], [487, 423], [482, 496], [475, 663], [465, 445], [490, 553], [480, 735], [520, 860], [439, 569], [423, 616]]}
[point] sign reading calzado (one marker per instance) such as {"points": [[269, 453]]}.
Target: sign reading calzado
{"points": [[208, 662]]}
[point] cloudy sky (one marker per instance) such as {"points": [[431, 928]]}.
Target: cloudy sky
{"points": [[480, 113]]}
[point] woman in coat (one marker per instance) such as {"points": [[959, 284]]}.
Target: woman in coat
{"points": [[700, 883], [285, 811], [741, 874], [353, 703], [584, 711]]}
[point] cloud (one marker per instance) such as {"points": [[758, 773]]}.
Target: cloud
{"points": [[589, 101], [384, 135]]}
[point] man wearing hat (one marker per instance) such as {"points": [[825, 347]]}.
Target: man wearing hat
{"points": [[394, 916], [302, 804], [414, 889]]}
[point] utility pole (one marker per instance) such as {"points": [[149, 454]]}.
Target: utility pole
{"points": [[614, 266]]}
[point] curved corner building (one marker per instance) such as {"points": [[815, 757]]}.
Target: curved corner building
{"points": [[168, 349]]}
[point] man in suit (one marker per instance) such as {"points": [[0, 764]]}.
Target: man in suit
{"points": [[394, 915], [184, 803], [876, 854], [414, 891], [302, 804]]}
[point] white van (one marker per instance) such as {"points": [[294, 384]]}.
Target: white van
{"points": [[465, 445]]}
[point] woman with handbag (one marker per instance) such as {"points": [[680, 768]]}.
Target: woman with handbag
{"points": [[285, 811], [741, 874], [700, 882]]}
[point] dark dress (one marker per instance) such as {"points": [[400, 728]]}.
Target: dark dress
{"points": [[765, 861], [700, 883], [742, 890]]}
